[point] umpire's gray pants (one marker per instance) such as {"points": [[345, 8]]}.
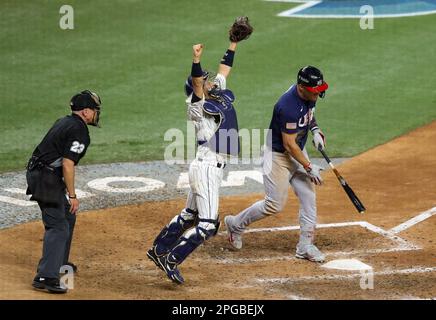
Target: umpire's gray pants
{"points": [[280, 170], [59, 226]]}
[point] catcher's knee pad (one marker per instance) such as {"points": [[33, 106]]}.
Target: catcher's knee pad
{"points": [[171, 233], [192, 239], [209, 227]]}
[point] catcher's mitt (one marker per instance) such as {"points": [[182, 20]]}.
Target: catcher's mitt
{"points": [[240, 30]]}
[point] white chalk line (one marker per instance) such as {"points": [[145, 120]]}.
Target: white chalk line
{"points": [[299, 8], [328, 255], [18, 202], [285, 280], [291, 13], [354, 16], [295, 297], [80, 194], [400, 243], [410, 223]]}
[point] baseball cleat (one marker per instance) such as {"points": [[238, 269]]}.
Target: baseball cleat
{"points": [[152, 255], [311, 253], [171, 270], [52, 285], [235, 239]]}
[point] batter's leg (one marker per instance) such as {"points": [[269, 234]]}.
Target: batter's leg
{"points": [[305, 191], [276, 183]]}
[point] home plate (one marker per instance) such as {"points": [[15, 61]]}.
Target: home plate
{"points": [[347, 264]]}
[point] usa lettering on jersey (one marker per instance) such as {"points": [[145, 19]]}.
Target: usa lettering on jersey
{"points": [[306, 119]]}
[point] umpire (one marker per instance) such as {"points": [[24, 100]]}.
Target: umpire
{"points": [[50, 179]]}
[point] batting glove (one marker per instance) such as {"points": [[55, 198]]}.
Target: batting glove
{"points": [[318, 139], [314, 173]]}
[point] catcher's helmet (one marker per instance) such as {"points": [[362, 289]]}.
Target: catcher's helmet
{"points": [[214, 92], [188, 83], [313, 80]]}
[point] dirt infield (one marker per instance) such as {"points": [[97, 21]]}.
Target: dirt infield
{"points": [[396, 182]]}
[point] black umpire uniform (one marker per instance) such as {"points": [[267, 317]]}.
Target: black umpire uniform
{"points": [[68, 138]]}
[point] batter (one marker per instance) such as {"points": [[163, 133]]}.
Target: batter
{"points": [[286, 161]]}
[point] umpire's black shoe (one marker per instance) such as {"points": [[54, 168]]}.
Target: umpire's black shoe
{"points": [[52, 285], [153, 256]]}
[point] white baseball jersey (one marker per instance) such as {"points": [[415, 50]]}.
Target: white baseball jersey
{"points": [[204, 175], [205, 125]]}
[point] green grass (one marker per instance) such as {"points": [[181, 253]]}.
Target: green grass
{"points": [[137, 54]]}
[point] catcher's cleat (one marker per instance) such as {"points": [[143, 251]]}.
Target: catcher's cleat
{"points": [[171, 270], [152, 255], [310, 252], [52, 285], [235, 239]]}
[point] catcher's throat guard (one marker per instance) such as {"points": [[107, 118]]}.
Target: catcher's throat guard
{"points": [[226, 137]]}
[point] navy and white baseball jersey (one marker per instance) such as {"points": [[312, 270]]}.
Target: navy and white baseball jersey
{"points": [[291, 115]]}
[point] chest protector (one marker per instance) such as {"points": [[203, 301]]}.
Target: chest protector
{"points": [[226, 137]]}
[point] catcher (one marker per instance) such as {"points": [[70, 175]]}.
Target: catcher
{"points": [[210, 107]]}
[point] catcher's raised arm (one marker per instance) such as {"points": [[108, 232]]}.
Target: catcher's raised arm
{"points": [[197, 72]]}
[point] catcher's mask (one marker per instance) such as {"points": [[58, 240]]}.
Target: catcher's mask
{"points": [[214, 91], [313, 80], [87, 99]]}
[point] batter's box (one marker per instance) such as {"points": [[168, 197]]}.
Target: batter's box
{"points": [[339, 239]]}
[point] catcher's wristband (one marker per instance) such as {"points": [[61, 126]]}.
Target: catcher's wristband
{"points": [[228, 58], [196, 71]]}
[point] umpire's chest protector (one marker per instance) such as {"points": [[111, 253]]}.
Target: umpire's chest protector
{"points": [[226, 137]]}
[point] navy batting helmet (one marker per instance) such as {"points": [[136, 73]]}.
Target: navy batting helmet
{"points": [[313, 80]]}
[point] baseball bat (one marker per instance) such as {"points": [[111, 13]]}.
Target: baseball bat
{"points": [[354, 199]]}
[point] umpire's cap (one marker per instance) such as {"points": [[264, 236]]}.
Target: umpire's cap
{"points": [[85, 99], [312, 79]]}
